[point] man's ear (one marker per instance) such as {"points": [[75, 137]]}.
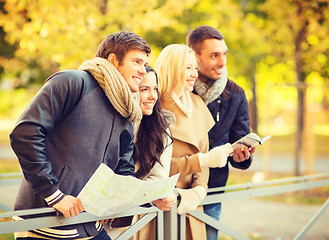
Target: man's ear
{"points": [[112, 58]]}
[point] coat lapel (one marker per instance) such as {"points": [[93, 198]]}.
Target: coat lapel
{"points": [[194, 129]]}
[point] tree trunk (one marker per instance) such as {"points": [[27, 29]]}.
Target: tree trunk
{"points": [[253, 106], [300, 37]]}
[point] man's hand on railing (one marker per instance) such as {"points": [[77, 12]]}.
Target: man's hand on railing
{"points": [[165, 204], [190, 199], [69, 206]]}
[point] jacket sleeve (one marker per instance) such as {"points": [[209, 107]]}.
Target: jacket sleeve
{"points": [[201, 178], [53, 101], [126, 164], [240, 128]]}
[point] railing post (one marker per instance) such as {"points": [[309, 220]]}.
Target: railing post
{"points": [[170, 224], [182, 227], [160, 225], [301, 234]]}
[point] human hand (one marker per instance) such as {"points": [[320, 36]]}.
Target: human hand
{"points": [[240, 155], [165, 204], [69, 206], [190, 198], [216, 157], [105, 221]]}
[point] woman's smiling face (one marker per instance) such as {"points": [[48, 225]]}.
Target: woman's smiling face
{"points": [[191, 72], [148, 93]]}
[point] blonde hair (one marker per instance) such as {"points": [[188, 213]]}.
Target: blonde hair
{"points": [[171, 67]]}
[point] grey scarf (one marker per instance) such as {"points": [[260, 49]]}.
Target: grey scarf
{"points": [[209, 94]]}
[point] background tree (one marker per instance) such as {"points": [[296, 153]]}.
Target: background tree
{"points": [[271, 43], [291, 25]]}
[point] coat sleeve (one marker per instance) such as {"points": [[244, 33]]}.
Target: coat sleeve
{"points": [[53, 101], [183, 161], [240, 128], [126, 164], [185, 165], [201, 178]]}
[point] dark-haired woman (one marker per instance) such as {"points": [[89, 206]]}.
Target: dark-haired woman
{"points": [[153, 148]]}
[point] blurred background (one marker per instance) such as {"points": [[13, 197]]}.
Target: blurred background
{"points": [[277, 52]]}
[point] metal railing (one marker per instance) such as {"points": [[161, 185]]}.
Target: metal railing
{"points": [[170, 225]]}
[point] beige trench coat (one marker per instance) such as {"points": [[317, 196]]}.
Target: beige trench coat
{"points": [[190, 136]]}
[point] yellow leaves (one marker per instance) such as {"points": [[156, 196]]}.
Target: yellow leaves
{"points": [[316, 85], [205, 6], [257, 21], [68, 31], [312, 40], [322, 59], [44, 32], [30, 46]]}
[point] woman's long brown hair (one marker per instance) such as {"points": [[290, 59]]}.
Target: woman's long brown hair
{"points": [[150, 138]]}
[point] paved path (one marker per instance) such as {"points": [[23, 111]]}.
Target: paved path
{"points": [[8, 189], [270, 220], [7, 153]]}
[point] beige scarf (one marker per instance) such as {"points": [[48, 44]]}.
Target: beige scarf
{"points": [[184, 103], [115, 88]]}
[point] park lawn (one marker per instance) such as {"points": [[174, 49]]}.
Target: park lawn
{"points": [[315, 196], [9, 166]]}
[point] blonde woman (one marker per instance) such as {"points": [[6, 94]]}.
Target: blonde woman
{"points": [[177, 71]]}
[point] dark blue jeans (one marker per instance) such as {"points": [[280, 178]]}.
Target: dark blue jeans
{"points": [[102, 236], [213, 210]]}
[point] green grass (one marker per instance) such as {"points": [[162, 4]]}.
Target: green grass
{"points": [[316, 196], [7, 236], [4, 137], [9, 166]]}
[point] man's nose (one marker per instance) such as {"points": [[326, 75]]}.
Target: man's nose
{"points": [[221, 61], [142, 70]]}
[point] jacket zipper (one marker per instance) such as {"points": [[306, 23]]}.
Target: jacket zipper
{"points": [[218, 109]]}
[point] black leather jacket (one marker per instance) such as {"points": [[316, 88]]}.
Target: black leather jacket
{"points": [[64, 134]]}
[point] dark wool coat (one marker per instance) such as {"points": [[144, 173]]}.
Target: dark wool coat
{"points": [[231, 114], [64, 134]]}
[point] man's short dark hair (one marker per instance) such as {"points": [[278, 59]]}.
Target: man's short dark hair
{"points": [[201, 33], [120, 43]]}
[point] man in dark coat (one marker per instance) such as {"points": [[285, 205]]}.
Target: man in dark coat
{"points": [[227, 103], [74, 123]]}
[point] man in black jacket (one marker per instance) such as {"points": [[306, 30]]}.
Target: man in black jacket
{"points": [[78, 120], [227, 103]]}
